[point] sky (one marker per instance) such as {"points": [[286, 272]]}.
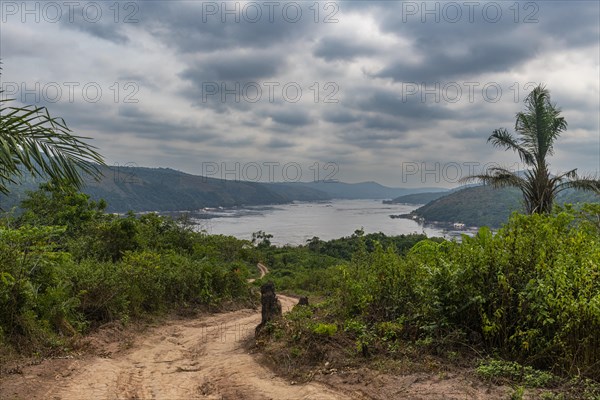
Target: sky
{"points": [[402, 93]]}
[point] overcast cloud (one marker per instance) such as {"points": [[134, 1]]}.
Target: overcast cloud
{"points": [[377, 88]]}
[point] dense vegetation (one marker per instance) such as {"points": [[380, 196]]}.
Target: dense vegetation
{"points": [[305, 269], [67, 266], [529, 294]]}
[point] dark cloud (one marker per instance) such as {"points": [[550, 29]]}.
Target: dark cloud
{"points": [[396, 104], [178, 47], [339, 117], [242, 68], [200, 27], [223, 140], [468, 49], [371, 139], [291, 117], [102, 20], [384, 123], [143, 124], [438, 66], [277, 143], [337, 48], [479, 134], [233, 80], [102, 30]]}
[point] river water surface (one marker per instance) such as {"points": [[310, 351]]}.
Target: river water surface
{"points": [[298, 222]]}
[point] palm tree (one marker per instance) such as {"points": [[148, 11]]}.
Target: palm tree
{"points": [[537, 128], [33, 141]]}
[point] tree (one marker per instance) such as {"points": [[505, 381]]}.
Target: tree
{"points": [[261, 239], [537, 128], [32, 141], [56, 203]]}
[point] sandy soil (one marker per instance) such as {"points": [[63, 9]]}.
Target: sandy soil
{"points": [[207, 358], [189, 359]]}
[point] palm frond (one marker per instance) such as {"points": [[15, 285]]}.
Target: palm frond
{"points": [[501, 138], [587, 184], [541, 124], [44, 146], [496, 177]]}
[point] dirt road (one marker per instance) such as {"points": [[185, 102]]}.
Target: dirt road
{"points": [[183, 359], [206, 358], [199, 359], [263, 271]]}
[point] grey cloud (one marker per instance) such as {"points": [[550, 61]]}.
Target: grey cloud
{"points": [[232, 142], [230, 81], [471, 134], [98, 19], [392, 103], [234, 67], [485, 57], [370, 139], [277, 143], [291, 117], [189, 27], [336, 48], [339, 117]]}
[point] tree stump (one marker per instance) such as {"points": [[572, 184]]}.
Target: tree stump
{"points": [[303, 301], [271, 307]]}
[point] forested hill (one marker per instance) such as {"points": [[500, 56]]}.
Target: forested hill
{"points": [[484, 205], [164, 189], [361, 190], [418, 198]]}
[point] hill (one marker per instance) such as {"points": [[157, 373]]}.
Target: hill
{"points": [[362, 190], [164, 189], [417, 198], [484, 205]]}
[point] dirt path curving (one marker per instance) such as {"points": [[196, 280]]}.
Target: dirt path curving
{"points": [[193, 359], [263, 271], [182, 359], [206, 358]]}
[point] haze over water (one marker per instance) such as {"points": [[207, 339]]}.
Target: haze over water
{"points": [[296, 223]]}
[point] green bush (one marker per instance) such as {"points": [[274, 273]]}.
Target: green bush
{"points": [[65, 265], [530, 292], [324, 329], [497, 370]]}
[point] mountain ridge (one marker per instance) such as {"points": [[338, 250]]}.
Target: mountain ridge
{"points": [[143, 189]]}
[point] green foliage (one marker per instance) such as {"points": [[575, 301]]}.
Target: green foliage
{"points": [[324, 329], [65, 265], [261, 239], [315, 267], [497, 371], [530, 292], [473, 206], [344, 248]]}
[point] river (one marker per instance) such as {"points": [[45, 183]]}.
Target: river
{"points": [[298, 222]]}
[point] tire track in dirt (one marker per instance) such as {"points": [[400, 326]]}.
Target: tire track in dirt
{"points": [[189, 359]]}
